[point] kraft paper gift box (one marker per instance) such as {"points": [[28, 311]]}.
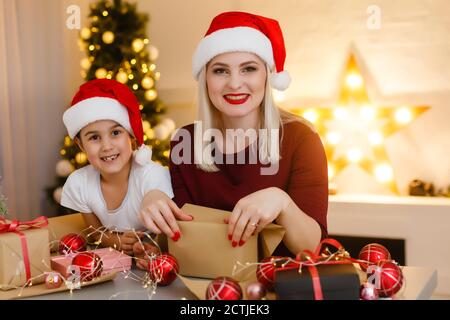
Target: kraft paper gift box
{"points": [[12, 265], [337, 281], [112, 260], [204, 250]]}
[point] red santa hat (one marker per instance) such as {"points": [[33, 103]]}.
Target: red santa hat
{"points": [[104, 99], [241, 31]]}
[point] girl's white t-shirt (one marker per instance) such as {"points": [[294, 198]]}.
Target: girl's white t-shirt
{"points": [[82, 192]]}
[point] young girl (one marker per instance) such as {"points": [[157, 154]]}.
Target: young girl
{"points": [[114, 191]]}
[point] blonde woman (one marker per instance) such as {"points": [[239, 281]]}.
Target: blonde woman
{"points": [[244, 154]]}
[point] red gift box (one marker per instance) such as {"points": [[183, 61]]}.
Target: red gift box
{"points": [[112, 259]]}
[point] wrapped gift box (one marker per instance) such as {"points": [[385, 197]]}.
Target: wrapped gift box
{"points": [[338, 282], [12, 265], [204, 250], [112, 259]]}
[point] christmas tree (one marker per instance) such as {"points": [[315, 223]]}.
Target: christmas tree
{"points": [[117, 48]]}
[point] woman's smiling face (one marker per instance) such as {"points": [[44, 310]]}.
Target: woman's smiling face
{"points": [[236, 83]]}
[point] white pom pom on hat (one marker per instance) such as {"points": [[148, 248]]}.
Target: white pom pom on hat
{"points": [[143, 155], [246, 32]]}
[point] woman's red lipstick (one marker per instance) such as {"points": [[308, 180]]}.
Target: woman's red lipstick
{"points": [[236, 98]]}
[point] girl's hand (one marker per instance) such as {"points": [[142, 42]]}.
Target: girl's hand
{"points": [[127, 241], [142, 252], [159, 213], [254, 212]]}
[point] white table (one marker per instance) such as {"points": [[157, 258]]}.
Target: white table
{"points": [[420, 284]]}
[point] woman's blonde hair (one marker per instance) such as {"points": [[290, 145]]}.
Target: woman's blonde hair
{"points": [[271, 122]]}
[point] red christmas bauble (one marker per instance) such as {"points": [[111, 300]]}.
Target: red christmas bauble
{"points": [[90, 264], [371, 254], [265, 271], [390, 278], [224, 288], [368, 291], [163, 269], [53, 280], [72, 242]]}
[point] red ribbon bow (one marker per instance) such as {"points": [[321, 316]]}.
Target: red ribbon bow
{"points": [[19, 226]]}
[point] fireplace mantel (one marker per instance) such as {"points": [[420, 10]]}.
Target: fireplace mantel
{"points": [[423, 222]]}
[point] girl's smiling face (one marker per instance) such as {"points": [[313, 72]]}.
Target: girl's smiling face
{"points": [[236, 83], [108, 146]]}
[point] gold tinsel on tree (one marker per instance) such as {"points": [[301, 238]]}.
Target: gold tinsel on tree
{"points": [[117, 48]]}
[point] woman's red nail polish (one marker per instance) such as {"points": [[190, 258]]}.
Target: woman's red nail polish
{"points": [[241, 243], [234, 244], [176, 236], [230, 236]]}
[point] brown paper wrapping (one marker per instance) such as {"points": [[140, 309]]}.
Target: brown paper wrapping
{"points": [[204, 250], [12, 267], [63, 225]]}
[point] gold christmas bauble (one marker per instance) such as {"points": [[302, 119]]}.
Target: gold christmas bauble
{"points": [[147, 82], [151, 95], [122, 77], [101, 73], [138, 45], [108, 37], [85, 33], [85, 63]]}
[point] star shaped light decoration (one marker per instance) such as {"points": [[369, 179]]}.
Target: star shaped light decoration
{"points": [[354, 131]]}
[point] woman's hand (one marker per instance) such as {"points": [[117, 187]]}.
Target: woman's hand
{"points": [[254, 212], [159, 213]]}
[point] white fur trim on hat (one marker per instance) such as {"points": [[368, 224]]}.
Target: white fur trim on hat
{"points": [[94, 109], [143, 155], [280, 80], [244, 39]]}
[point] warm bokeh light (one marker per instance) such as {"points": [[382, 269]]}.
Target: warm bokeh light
{"points": [[375, 138], [354, 155], [311, 115], [384, 173], [368, 112], [340, 113], [403, 115], [333, 137], [354, 80], [330, 171]]}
